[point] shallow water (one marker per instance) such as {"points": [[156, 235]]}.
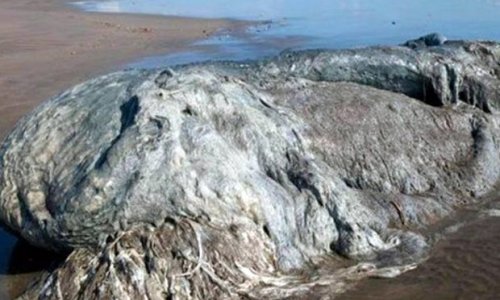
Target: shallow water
{"points": [[296, 24]]}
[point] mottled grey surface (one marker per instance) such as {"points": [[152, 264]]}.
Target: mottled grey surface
{"points": [[211, 180]]}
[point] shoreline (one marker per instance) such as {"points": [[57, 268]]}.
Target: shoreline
{"points": [[50, 46], [43, 65]]}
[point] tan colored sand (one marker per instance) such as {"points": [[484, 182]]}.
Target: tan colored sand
{"points": [[46, 46]]}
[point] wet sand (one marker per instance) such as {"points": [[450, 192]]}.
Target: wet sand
{"points": [[463, 266], [47, 46]]}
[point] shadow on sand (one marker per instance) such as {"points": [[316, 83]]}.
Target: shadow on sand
{"points": [[22, 264]]}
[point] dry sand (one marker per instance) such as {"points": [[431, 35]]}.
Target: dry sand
{"points": [[46, 46]]}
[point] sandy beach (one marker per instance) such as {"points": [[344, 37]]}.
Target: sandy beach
{"points": [[47, 46]]}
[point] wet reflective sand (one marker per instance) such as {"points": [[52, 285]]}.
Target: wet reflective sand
{"points": [[465, 265]]}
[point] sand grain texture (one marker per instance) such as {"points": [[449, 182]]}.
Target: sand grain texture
{"points": [[46, 46]]}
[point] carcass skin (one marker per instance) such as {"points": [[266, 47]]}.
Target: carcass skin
{"points": [[235, 180]]}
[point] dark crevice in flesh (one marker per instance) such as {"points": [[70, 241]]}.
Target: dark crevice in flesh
{"points": [[189, 111], [163, 77], [265, 228], [265, 103], [303, 181], [353, 183], [129, 111], [478, 136], [427, 94]]}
